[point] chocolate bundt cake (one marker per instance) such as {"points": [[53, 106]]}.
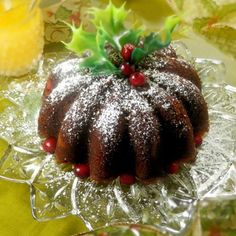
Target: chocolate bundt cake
{"points": [[141, 122]]}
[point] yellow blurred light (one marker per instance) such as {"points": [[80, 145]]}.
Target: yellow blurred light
{"points": [[21, 36]]}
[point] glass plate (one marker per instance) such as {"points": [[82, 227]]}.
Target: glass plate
{"points": [[169, 205]]}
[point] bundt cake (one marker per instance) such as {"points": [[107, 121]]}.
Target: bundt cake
{"points": [[138, 122]]}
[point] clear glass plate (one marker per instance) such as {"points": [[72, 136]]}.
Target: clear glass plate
{"points": [[169, 205]]}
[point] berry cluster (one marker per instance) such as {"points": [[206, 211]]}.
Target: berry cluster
{"points": [[136, 79]]}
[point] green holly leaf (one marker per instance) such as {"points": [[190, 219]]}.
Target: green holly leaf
{"points": [[137, 55], [112, 18], [110, 28], [131, 36], [154, 42], [170, 24], [83, 41], [109, 23], [151, 43]]}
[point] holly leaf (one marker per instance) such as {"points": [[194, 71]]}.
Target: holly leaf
{"points": [[83, 41], [131, 36], [137, 55], [154, 42], [151, 43], [112, 18], [98, 66], [109, 23], [110, 28], [170, 23]]}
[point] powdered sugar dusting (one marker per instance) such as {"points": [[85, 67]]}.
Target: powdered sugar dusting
{"points": [[85, 104], [68, 68], [168, 106], [144, 130], [108, 124], [187, 93], [68, 85], [109, 121], [183, 89], [175, 85], [134, 103]]}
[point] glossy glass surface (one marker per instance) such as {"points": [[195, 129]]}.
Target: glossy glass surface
{"points": [[170, 205]]}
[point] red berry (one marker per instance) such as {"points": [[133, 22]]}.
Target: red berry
{"points": [[126, 69], [82, 170], [48, 88], [173, 168], [198, 140], [49, 145], [137, 79], [126, 51], [127, 179]]}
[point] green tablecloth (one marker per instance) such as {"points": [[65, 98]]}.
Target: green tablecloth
{"points": [[16, 218]]}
